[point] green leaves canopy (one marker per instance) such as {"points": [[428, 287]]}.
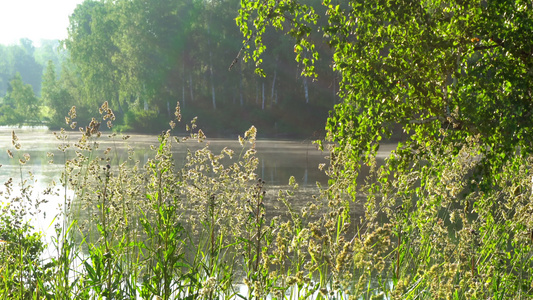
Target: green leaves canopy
{"points": [[439, 70]]}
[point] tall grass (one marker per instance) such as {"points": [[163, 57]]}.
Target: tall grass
{"points": [[208, 228]]}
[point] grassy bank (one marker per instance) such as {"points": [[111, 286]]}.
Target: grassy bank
{"points": [[206, 229]]}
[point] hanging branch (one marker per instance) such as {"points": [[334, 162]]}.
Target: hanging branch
{"points": [[240, 51]]}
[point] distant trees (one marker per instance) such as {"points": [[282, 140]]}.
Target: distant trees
{"points": [[20, 104], [19, 58], [21, 73], [145, 56], [50, 50], [54, 97]]}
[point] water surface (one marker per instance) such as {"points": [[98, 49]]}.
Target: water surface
{"points": [[278, 161]]}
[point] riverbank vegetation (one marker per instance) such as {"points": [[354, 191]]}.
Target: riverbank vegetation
{"points": [[203, 228], [447, 215], [206, 228]]}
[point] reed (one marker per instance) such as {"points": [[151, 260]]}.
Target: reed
{"points": [[208, 228]]}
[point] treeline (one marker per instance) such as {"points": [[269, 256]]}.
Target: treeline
{"points": [[21, 71], [144, 57]]}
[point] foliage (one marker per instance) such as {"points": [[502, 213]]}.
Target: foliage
{"points": [[50, 50], [20, 104], [454, 77], [19, 59], [461, 67], [142, 121], [25, 63], [446, 215], [51, 96], [149, 55], [21, 249]]}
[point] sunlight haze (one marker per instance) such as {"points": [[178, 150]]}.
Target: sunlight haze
{"points": [[34, 19]]}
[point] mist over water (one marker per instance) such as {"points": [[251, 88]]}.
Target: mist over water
{"points": [[278, 161]]}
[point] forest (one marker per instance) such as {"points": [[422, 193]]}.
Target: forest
{"points": [[144, 57]]}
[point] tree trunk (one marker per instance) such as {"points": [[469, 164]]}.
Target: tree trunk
{"points": [[334, 92], [306, 86], [119, 106], [213, 93], [306, 90], [263, 97], [274, 83], [240, 88], [183, 93], [190, 87], [183, 87], [211, 67], [257, 93]]}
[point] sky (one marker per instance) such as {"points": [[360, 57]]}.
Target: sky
{"points": [[34, 19]]}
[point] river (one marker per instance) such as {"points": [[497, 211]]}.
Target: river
{"points": [[278, 160]]}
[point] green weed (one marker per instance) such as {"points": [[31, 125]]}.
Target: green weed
{"points": [[207, 227]]}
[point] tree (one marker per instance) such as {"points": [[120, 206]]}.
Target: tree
{"points": [[91, 48], [49, 85], [61, 93], [50, 50], [20, 104], [19, 58], [435, 69], [52, 96]]}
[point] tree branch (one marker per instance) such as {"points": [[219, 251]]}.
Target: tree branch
{"points": [[449, 119], [240, 51], [487, 47], [425, 121]]}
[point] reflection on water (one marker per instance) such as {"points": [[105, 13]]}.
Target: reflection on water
{"points": [[279, 160]]}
